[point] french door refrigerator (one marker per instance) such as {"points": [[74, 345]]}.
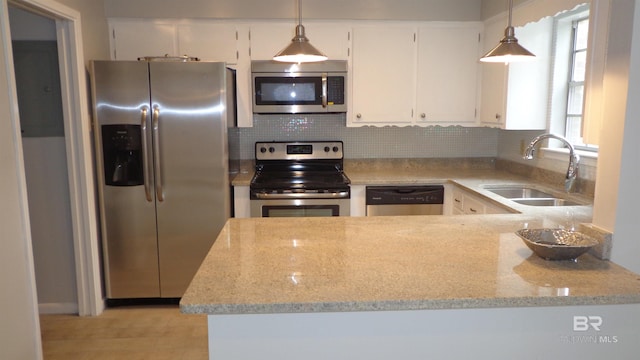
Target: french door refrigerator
{"points": [[163, 170]]}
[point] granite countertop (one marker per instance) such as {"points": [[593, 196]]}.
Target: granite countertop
{"points": [[338, 264], [285, 265], [470, 174]]}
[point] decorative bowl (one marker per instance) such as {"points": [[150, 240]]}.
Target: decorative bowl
{"points": [[556, 244]]}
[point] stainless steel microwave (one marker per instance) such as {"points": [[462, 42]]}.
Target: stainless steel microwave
{"points": [[284, 88]]}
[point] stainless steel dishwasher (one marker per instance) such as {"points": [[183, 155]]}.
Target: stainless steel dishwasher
{"points": [[404, 200]]}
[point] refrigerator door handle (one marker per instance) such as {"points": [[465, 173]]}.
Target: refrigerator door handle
{"points": [[145, 154], [156, 153]]}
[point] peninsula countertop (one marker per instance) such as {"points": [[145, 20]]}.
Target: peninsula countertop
{"points": [[344, 264]]}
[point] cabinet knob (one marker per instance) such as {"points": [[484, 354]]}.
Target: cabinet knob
{"points": [[359, 116], [498, 116], [423, 116]]}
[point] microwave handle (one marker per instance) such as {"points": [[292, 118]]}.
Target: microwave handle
{"points": [[324, 90]]}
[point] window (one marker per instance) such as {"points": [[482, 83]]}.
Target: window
{"points": [[575, 93], [569, 69]]}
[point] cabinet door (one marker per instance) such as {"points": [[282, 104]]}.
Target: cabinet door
{"points": [[267, 39], [515, 97], [457, 199], [133, 39], [383, 75], [209, 42], [473, 205], [333, 39], [494, 78], [448, 73], [528, 82]]}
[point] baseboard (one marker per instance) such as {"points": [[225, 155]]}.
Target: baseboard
{"points": [[58, 308]]}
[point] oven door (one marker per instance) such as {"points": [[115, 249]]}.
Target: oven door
{"points": [[299, 207]]}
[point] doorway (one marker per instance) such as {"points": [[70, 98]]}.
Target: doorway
{"points": [[37, 72], [85, 255]]}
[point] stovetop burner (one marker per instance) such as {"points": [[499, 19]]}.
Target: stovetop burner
{"points": [[300, 180], [299, 168]]}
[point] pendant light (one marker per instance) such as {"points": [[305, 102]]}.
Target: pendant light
{"points": [[508, 50], [300, 50]]}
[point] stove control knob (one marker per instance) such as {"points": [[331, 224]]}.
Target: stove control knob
{"points": [[263, 149], [335, 149], [272, 149], [326, 149]]}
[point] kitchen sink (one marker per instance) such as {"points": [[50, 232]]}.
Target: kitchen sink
{"points": [[546, 202], [518, 192], [527, 195]]}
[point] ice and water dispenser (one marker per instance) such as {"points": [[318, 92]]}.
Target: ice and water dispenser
{"points": [[122, 150]]}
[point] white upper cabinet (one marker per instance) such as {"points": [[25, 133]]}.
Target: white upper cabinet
{"points": [[383, 75], [209, 42], [448, 73], [131, 39], [400, 73], [515, 96], [333, 39], [267, 39], [494, 77], [427, 74]]}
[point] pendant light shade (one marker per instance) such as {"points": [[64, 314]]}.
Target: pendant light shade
{"points": [[300, 50], [508, 50]]}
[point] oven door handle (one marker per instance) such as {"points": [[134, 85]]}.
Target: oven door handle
{"points": [[336, 195]]}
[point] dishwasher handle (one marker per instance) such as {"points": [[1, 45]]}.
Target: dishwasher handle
{"points": [[411, 194]]}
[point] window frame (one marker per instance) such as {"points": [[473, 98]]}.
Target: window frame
{"points": [[563, 59], [573, 84]]}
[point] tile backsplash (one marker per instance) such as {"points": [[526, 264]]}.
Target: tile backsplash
{"points": [[371, 142]]}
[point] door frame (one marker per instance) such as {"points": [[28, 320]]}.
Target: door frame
{"points": [[77, 127]]}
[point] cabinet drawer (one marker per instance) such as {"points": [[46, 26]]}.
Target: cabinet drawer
{"points": [[473, 206], [458, 200]]}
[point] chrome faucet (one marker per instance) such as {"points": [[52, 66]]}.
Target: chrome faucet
{"points": [[574, 158]]}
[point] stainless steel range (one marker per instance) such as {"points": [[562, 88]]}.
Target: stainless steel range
{"points": [[299, 179]]}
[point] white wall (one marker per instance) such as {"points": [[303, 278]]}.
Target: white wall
{"points": [[19, 323], [492, 8], [444, 10], [617, 190], [95, 31]]}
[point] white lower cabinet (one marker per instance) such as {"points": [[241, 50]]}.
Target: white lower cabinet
{"points": [[358, 200], [462, 202], [241, 202], [457, 201]]}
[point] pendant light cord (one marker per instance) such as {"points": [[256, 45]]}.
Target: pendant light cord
{"points": [[299, 12], [510, 11]]}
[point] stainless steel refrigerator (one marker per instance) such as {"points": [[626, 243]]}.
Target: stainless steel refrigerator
{"points": [[162, 164]]}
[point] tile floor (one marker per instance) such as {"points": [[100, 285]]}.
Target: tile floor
{"points": [[128, 332]]}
